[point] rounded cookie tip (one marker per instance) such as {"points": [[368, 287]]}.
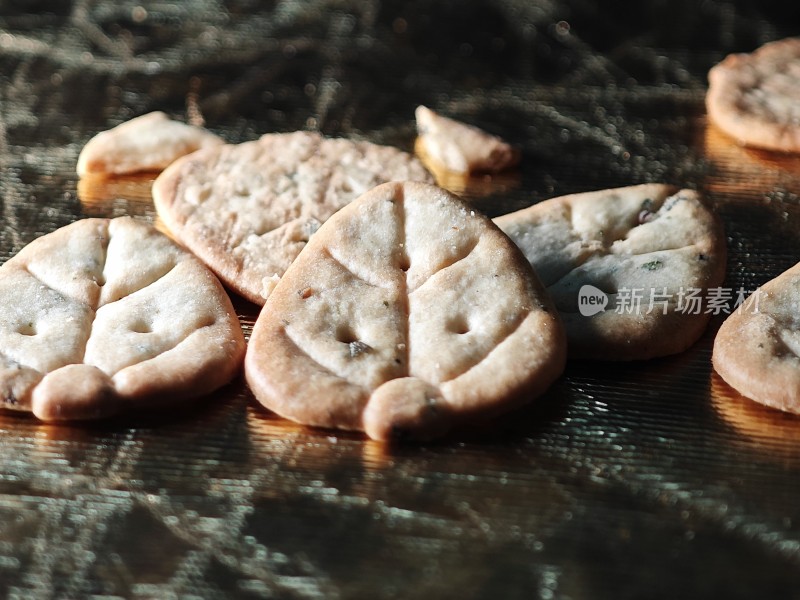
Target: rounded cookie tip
{"points": [[406, 408], [74, 392]]}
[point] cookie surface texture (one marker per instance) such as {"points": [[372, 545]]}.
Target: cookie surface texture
{"points": [[462, 148], [757, 348], [147, 143], [647, 255], [248, 209], [755, 98], [103, 316], [407, 313]]}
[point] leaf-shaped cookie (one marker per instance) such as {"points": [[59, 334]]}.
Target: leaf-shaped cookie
{"points": [[248, 209], [147, 143], [104, 315], [757, 348], [406, 312], [652, 251]]}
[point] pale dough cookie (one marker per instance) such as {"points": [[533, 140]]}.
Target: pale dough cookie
{"points": [[462, 148], [147, 143], [248, 209], [405, 314], [104, 316], [757, 348], [755, 98], [651, 250]]}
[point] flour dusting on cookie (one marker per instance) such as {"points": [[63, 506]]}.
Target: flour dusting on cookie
{"points": [[248, 209]]}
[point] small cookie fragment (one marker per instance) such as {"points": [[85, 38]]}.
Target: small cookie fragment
{"points": [[405, 314], [150, 142], [628, 268], [757, 348], [755, 98], [462, 148], [248, 209], [105, 316]]}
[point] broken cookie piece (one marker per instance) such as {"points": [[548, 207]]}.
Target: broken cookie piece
{"points": [[107, 316], [150, 142], [407, 313], [462, 148]]}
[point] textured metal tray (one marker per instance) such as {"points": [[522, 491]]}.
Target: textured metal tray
{"points": [[641, 480]]}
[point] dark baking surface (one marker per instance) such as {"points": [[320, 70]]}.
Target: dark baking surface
{"points": [[649, 480]]}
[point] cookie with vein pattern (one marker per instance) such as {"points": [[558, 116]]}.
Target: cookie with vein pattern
{"points": [[407, 313], [107, 316], [629, 269]]}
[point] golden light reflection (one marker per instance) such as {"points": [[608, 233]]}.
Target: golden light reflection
{"points": [[740, 168], [465, 185], [118, 196], [759, 424], [268, 429]]}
